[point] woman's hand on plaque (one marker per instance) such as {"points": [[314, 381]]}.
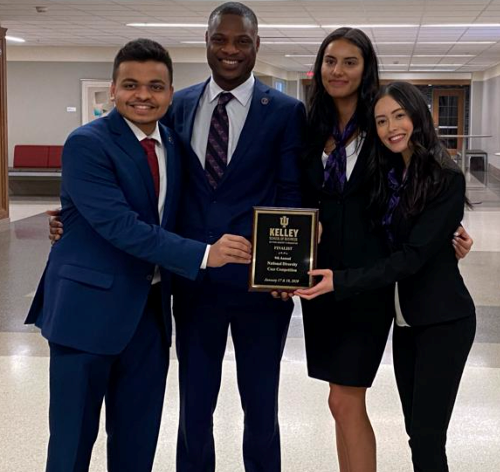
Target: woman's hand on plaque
{"points": [[325, 285], [282, 295]]}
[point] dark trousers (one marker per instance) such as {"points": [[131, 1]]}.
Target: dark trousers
{"points": [[133, 385], [428, 363], [259, 333]]}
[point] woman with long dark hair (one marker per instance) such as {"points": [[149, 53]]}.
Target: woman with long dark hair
{"points": [[345, 339], [417, 199]]}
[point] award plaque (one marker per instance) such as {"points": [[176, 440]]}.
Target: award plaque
{"points": [[283, 248]]}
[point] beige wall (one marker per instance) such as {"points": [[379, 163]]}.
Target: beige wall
{"points": [[39, 93]]}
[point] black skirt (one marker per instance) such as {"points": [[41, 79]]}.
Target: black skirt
{"points": [[345, 340]]}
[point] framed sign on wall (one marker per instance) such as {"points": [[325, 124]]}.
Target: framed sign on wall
{"points": [[96, 99]]}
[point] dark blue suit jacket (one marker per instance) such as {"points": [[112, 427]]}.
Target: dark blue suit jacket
{"points": [[263, 170], [98, 277]]}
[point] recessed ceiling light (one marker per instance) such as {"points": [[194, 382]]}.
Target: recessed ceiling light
{"points": [[443, 55], [14, 39], [440, 65], [292, 43], [463, 25], [432, 70], [288, 26], [168, 25], [374, 26], [386, 43], [458, 43]]}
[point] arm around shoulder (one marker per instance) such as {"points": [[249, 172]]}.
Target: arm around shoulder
{"points": [[433, 229]]}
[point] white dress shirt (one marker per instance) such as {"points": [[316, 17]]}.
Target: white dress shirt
{"points": [[237, 112]]}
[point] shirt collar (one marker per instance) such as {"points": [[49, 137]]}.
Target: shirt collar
{"points": [[242, 93], [140, 135]]}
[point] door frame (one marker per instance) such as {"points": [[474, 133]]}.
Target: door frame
{"points": [[436, 93]]}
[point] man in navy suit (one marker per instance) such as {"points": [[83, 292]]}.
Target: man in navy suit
{"points": [[258, 166], [104, 299]]}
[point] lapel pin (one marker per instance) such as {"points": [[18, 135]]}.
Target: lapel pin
{"points": [[264, 100], [170, 140]]}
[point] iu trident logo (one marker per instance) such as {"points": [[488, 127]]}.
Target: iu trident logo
{"points": [[284, 221]]}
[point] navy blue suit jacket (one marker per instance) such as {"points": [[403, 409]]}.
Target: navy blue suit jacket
{"points": [[263, 170], [98, 277]]}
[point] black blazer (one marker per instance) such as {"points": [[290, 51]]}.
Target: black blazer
{"points": [[348, 240], [431, 289]]}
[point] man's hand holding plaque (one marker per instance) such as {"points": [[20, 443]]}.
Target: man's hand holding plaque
{"points": [[284, 249]]}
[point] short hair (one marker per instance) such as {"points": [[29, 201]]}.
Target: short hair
{"points": [[142, 50], [234, 8]]}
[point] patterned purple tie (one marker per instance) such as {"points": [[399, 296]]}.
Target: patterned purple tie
{"points": [[396, 187], [335, 174], [218, 136]]}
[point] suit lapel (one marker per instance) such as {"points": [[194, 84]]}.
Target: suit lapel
{"points": [[259, 109], [126, 140], [171, 163]]}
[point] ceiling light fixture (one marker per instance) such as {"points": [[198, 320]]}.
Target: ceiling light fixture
{"points": [[432, 70], [463, 25], [440, 65], [374, 26], [168, 25], [458, 43], [288, 26], [14, 39], [442, 55], [293, 43]]}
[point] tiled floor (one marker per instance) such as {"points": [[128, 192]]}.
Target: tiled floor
{"points": [[306, 425]]}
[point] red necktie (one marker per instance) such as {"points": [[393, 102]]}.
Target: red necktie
{"points": [[148, 144]]}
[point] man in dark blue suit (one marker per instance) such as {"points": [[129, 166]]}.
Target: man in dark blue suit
{"points": [[242, 142], [104, 299]]}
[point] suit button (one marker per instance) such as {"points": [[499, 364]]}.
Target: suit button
{"points": [[149, 278]]}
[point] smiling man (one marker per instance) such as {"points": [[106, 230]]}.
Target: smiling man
{"points": [[104, 299], [242, 140]]}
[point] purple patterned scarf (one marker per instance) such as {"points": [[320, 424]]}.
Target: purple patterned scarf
{"points": [[396, 187], [335, 169]]}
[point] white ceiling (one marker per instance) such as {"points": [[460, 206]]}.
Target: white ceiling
{"points": [[103, 23]]}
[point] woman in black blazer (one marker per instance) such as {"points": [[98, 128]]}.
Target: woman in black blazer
{"points": [[417, 198], [345, 339]]}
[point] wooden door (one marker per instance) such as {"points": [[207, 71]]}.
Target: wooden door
{"points": [[448, 115], [4, 189]]}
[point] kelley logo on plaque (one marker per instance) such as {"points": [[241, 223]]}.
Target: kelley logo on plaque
{"points": [[284, 248]]}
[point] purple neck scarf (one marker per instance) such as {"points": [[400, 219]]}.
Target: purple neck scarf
{"points": [[335, 169], [396, 189]]}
